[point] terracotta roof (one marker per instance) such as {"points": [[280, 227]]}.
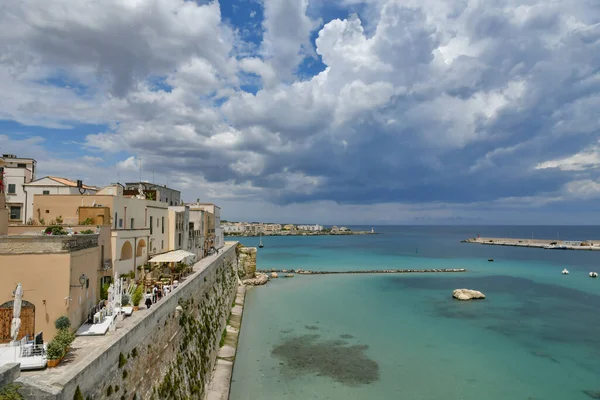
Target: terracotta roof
{"points": [[68, 182]]}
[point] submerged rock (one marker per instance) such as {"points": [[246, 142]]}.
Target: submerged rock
{"points": [[259, 279], [594, 394], [467, 294], [274, 275]]}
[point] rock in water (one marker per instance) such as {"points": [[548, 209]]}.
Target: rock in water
{"points": [[259, 279], [274, 275], [288, 275], [467, 294]]}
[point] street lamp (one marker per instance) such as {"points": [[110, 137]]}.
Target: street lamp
{"points": [[82, 281]]}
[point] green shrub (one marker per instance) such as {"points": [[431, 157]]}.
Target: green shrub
{"points": [[109, 390], [62, 323], [137, 296], [78, 395], [223, 336], [122, 360], [87, 232], [10, 392], [65, 338], [59, 219], [55, 230], [104, 291], [125, 300], [55, 350], [88, 221]]}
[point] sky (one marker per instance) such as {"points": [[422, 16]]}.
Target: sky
{"points": [[316, 111]]}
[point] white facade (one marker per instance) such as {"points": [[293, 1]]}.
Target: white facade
{"points": [[196, 232], [179, 219], [311, 228], [17, 172], [49, 185], [233, 228]]}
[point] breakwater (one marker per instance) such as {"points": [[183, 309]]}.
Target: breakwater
{"points": [[589, 245], [368, 271]]}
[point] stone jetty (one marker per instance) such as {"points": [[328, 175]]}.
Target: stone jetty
{"points": [[589, 245], [374, 271]]}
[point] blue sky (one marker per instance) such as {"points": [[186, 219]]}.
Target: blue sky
{"points": [[354, 111]]}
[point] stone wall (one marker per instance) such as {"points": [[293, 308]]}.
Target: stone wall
{"points": [[8, 373], [247, 261], [170, 353], [36, 244]]}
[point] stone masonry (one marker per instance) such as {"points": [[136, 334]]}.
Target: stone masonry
{"points": [[169, 353]]}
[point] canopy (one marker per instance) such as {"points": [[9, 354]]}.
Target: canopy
{"points": [[172, 256]]}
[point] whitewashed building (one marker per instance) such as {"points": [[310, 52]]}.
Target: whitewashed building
{"points": [[17, 172], [311, 228]]}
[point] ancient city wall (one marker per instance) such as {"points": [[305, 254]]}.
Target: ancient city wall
{"points": [[169, 354]]}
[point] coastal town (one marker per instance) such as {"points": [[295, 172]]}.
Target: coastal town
{"points": [[272, 229], [75, 256]]}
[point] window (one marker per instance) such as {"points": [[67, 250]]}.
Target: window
{"points": [[116, 220], [151, 224], [21, 165], [15, 212], [46, 192], [132, 225], [180, 240], [162, 222], [120, 222], [157, 222], [162, 244], [12, 188], [47, 211]]}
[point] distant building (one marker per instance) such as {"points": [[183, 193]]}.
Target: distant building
{"points": [[289, 227], [311, 228], [154, 192], [15, 173], [213, 235]]}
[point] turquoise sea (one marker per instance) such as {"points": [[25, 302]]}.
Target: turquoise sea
{"points": [[536, 336]]}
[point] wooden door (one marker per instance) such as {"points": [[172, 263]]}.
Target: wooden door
{"points": [[27, 321]]}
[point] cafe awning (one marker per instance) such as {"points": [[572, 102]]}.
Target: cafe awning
{"points": [[171, 256]]}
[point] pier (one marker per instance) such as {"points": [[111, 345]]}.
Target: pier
{"points": [[373, 271], [589, 245]]}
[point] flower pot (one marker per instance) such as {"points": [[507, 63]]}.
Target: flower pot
{"points": [[53, 363], [136, 308]]}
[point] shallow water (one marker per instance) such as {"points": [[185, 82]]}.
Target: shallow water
{"points": [[536, 336]]}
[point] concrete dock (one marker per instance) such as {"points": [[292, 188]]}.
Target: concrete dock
{"points": [[589, 245]]}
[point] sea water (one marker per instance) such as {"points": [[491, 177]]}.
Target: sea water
{"points": [[536, 336]]}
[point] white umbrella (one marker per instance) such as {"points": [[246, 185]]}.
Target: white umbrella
{"points": [[16, 321]]}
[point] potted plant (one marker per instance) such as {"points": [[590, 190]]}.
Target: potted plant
{"points": [[62, 323], [137, 298], [125, 300], [65, 338], [54, 353]]}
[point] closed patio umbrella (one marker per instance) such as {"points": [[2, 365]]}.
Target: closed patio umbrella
{"points": [[16, 321]]}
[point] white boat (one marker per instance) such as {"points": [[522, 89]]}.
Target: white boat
{"points": [[260, 245], [565, 271], [593, 274]]}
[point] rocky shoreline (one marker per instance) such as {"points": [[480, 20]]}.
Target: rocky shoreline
{"points": [[375, 271]]}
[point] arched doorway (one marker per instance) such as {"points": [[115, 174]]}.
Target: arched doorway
{"points": [[27, 320], [126, 251], [140, 248]]}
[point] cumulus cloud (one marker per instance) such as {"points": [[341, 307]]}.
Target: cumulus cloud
{"points": [[419, 101]]}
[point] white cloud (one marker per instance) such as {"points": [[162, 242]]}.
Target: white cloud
{"points": [[420, 100], [585, 160]]}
